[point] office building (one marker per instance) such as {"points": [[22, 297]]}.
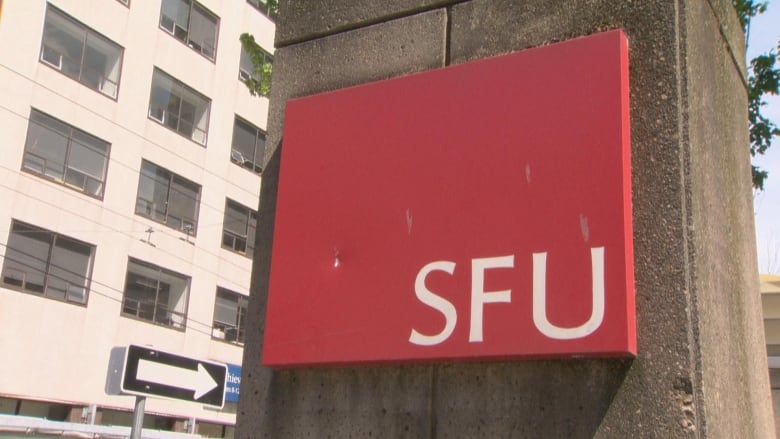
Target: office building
{"points": [[129, 176]]}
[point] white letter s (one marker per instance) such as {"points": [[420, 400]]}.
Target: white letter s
{"points": [[437, 302]]}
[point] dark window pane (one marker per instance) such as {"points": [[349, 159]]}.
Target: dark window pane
{"points": [[69, 263], [179, 107], [203, 31], [244, 136], [63, 43], [236, 218], [245, 67], [153, 190], [27, 255], [250, 238], [168, 198], [50, 143], [226, 308], [248, 145], [88, 155], [239, 224], [44, 262], [262, 6], [162, 86], [174, 17], [192, 24], [183, 203], [47, 142], [229, 316], [259, 150], [81, 53], [155, 294]]}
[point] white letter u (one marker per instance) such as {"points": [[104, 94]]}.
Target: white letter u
{"points": [[540, 298]]}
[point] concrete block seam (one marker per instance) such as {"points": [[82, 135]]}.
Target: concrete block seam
{"points": [[368, 22], [729, 46]]}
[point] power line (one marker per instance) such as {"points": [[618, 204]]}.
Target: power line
{"points": [[136, 171], [130, 234], [104, 290], [123, 128], [118, 297]]}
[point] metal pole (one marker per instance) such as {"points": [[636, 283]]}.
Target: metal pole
{"points": [[138, 418]]}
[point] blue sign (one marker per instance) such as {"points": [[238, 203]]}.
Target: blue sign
{"points": [[233, 383]]}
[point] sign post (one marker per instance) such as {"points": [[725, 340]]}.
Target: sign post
{"points": [[138, 418]]}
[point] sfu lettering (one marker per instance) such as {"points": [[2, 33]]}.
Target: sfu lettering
{"points": [[480, 297]]}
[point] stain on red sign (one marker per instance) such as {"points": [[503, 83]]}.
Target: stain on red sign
{"points": [[478, 211]]}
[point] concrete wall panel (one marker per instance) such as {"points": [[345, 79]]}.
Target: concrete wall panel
{"points": [[700, 371]]}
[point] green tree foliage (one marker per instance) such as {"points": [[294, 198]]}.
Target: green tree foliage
{"points": [[259, 82], [763, 79]]}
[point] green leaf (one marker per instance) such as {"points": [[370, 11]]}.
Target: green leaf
{"points": [[763, 79], [259, 83]]}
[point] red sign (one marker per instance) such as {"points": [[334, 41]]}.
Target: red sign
{"points": [[479, 211]]}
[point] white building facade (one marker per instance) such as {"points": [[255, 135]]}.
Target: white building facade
{"points": [[129, 177]]}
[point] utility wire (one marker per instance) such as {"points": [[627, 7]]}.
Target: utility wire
{"points": [[114, 295], [138, 172], [131, 234], [121, 127]]}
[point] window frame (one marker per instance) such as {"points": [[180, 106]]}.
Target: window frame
{"points": [[237, 157], [180, 326], [220, 331], [46, 273], [263, 9], [163, 118], [243, 74], [67, 159], [42, 53], [249, 234], [186, 37], [171, 176]]}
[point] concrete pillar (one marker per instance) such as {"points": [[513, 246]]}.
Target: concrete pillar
{"points": [[701, 369]]}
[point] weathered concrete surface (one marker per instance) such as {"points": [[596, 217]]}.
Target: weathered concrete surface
{"points": [[657, 393], [306, 20], [381, 51], [701, 369], [726, 289]]}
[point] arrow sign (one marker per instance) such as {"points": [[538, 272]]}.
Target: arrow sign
{"points": [[151, 372], [198, 380]]}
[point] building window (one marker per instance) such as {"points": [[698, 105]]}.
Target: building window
{"points": [[189, 22], [67, 155], [168, 198], [248, 146], [262, 6], [229, 316], [179, 107], [238, 232], [246, 68], [48, 264], [81, 53], [155, 294]]}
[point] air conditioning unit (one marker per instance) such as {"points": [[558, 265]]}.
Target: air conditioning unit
{"points": [[237, 157], [157, 114], [51, 57], [199, 136], [108, 88]]}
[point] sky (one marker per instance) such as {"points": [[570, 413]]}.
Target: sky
{"points": [[764, 34]]}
